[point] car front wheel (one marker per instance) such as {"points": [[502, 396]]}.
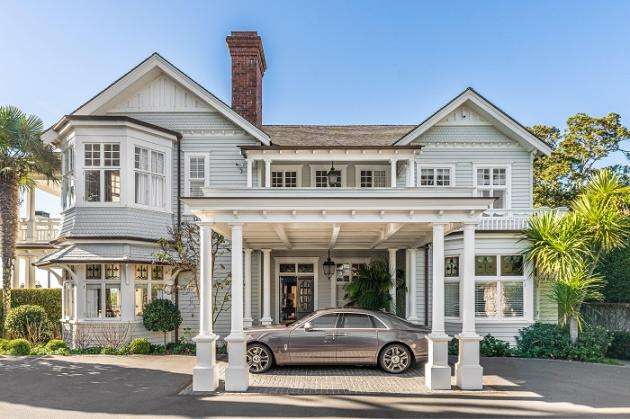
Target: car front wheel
{"points": [[259, 358], [395, 358]]}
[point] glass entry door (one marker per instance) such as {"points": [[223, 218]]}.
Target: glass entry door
{"points": [[297, 291]]}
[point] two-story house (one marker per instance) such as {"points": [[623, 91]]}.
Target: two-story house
{"points": [[303, 207]]}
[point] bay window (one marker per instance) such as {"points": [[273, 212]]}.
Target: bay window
{"points": [[102, 172], [103, 296], [493, 182], [67, 177], [150, 177], [149, 286], [436, 176]]}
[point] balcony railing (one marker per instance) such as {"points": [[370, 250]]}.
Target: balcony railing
{"points": [[510, 219], [39, 230]]}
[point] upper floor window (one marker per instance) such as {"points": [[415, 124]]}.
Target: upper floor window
{"points": [[285, 177], [102, 172], [436, 176], [150, 178], [67, 178], [196, 174], [319, 177], [372, 178], [493, 182]]}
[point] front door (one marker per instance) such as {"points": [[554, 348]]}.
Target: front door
{"points": [[297, 291], [305, 287]]}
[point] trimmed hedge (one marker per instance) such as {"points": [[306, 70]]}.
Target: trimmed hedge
{"points": [[48, 298]]}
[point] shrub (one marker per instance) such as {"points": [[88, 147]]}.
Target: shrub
{"points": [[108, 350], [140, 346], [493, 347], [47, 298], [19, 347], [161, 316], [370, 290], [4, 345], [543, 340], [55, 344], [592, 344], [620, 346], [28, 322]]}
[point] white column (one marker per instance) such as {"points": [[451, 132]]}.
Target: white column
{"points": [[205, 374], [237, 372], [392, 275], [30, 273], [407, 285], [437, 372], [413, 286], [79, 292], [247, 320], [250, 177], [15, 281], [267, 173], [266, 317], [468, 372], [411, 172], [392, 172]]}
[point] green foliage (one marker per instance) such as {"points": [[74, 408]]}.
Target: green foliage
{"points": [[571, 291], [19, 347], [161, 316], [55, 344], [370, 290], [48, 298], [4, 345], [29, 322], [592, 345], [493, 347], [139, 346], [559, 177], [108, 350], [620, 346], [615, 269]]}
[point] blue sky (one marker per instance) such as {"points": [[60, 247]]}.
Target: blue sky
{"points": [[332, 62]]}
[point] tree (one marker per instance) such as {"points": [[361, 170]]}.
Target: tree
{"points": [[181, 251], [559, 177], [567, 248], [161, 316], [23, 158], [370, 290]]}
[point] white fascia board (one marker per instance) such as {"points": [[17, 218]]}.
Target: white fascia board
{"points": [[157, 61], [489, 109], [127, 124]]}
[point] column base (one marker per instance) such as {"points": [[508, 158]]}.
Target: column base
{"points": [[437, 372], [237, 371], [247, 322], [468, 372], [205, 374], [266, 321]]}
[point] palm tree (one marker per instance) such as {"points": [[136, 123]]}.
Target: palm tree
{"points": [[23, 157], [566, 248]]}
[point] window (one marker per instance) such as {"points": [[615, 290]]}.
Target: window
{"points": [[372, 178], [344, 274], [435, 176], [103, 296], [499, 287], [357, 321], [197, 174], [327, 321], [451, 286], [493, 182], [319, 177], [102, 172], [149, 286], [150, 177], [67, 178], [68, 299], [285, 177]]}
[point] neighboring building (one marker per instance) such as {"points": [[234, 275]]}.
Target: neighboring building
{"points": [[155, 147]]}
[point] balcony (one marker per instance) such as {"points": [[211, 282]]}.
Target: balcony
{"points": [[504, 220], [40, 230]]}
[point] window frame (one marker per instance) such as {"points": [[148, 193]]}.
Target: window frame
{"points": [[334, 284], [372, 167], [102, 168], [434, 166], [507, 187], [150, 176], [453, 280], [206, 171], [284, 169], [103, 282], [498, 279], [68, 187], [149, 282], [319, 167]]}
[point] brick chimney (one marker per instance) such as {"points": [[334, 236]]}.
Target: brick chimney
{"points": [[248, 68]]}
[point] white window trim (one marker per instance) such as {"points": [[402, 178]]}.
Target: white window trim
{"points": [[206, 180], [285, 168], [148, 282], [333, 281], [454, 279], [102, 169], [165, 175], [342, 168], [373, 167], [508, 182], [450, 167], [316, 267], [103, 282]]}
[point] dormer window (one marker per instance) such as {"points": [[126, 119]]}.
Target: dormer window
{"points": [[102, 172]]}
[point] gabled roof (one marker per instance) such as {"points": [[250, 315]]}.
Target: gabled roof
{"points": [[154, 61], [504, 122]]}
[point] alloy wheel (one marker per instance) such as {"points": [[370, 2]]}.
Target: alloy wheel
{"points": [[395, 359], [258, 359]]}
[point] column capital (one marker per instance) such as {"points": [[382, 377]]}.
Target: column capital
{"points": [[205, 223], [236, 224], [266, 251], [247, 251], [470, 224]]}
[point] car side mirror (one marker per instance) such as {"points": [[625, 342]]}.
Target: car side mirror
{"points": [[308, 327]]}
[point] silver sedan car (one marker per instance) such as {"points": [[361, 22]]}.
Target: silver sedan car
{"points": [[339, 336]]}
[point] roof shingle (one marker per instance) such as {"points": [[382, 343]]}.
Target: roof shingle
{"points": [[335, 135]]}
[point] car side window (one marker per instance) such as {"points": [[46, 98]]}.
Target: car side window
{"points": [[327, 321], [357, 321]]}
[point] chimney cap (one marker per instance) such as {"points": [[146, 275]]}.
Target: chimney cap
{"points": [[247, 43]]}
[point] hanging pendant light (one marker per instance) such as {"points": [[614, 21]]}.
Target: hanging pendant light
{"points": [[334, 176], [329, 266]]}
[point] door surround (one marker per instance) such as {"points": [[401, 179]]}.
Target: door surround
{"points": [[296, 260]]}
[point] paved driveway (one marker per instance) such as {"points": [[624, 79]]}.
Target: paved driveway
{"points": [[98, 386]]}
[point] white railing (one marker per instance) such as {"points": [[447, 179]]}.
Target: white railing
{"points": [[39, 230], [510, 219]]}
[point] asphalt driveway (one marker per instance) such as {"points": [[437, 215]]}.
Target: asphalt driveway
{"points": [[99, 386]]}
